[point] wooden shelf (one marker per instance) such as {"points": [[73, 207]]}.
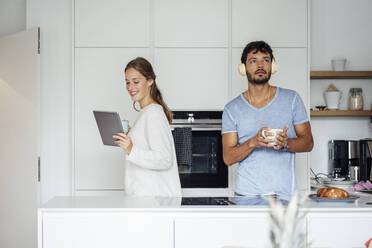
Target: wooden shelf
{"points": [[341, 113], [340, 74]]}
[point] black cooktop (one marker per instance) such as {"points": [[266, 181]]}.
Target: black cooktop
{"points": [[226, 201], [206, 201]]}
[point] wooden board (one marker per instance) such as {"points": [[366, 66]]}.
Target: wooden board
{"points": [[341, 113], [341, 75]]}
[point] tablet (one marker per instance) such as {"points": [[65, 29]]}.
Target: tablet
{"points": [[108, 123]]}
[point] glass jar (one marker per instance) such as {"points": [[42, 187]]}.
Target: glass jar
{"points": [[355, 99]]}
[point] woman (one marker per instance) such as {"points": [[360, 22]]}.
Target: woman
{"points": [[151, 168]]}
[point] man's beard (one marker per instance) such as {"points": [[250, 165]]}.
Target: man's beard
{"points": [[259, 81]]}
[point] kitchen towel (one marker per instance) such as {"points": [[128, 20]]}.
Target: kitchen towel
{"points": [[183, 143]]}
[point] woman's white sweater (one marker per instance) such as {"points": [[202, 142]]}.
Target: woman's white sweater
{"points": [[151, 167]]}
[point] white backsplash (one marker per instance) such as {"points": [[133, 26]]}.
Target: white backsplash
{"points": [[328, 128], [329, 25], [318, 87]]}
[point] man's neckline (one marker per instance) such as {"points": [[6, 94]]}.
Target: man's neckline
{"points": [[264, 107]]}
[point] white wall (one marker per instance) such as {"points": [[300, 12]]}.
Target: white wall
{"points": [[12, 16], [339, 28]]}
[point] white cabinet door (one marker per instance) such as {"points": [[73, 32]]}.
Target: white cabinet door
{"points": [[109, 230], [191, 23], [19, 138], [292, 74], [112, 23], [346, 230], [280, 23], [292, 71], [100, 85], [188, 42], [222, 232], [193, 79]]}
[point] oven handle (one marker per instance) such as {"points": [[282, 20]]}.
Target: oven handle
{"points": [[199, 127]]}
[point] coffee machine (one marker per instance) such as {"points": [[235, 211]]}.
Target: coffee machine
{"points": [[365, 159], [342, 155]]}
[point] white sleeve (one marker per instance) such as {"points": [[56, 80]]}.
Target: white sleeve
{"points": [[159, 156]]}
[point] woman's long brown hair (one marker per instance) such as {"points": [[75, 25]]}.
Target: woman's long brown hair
{"points": [[144, 67]]}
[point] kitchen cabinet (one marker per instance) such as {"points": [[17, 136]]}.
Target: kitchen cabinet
{"points": [[280, 23], [111, 23], [223, 232], [194, 47], [111, 230], [292, 71], [197, 80], [136, 222], [100, 85], [339, 230], [191, 23]]}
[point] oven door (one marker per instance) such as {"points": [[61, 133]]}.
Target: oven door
{"points": [[208, 169]]}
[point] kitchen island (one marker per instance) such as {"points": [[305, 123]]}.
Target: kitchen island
{"points": [[124, 221]]}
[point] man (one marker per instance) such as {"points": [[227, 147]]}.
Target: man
{"points": [[265, 167]]}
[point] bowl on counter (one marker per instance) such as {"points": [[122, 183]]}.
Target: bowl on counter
{"points": [[327, 182]]}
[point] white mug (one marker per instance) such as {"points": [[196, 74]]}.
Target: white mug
{"points": [[274, 132]]}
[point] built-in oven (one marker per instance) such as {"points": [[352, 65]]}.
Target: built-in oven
{"points": [[202, 130]]}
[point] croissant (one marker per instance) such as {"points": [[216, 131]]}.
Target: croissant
{"points": [[333, 193]]}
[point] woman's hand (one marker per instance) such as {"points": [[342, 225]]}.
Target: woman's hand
{"points": [[124, 141]]}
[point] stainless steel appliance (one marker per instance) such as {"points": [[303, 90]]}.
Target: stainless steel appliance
{"points": [[342, 154], [206, 169], [365, 159]]}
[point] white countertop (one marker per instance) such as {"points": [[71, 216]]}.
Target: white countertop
{"points": [[126, 203]]}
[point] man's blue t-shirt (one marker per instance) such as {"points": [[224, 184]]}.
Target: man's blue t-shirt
{"points": [[265, 170]]}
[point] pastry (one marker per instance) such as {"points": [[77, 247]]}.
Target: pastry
{"points": [[333, 193], [362, 186]]}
